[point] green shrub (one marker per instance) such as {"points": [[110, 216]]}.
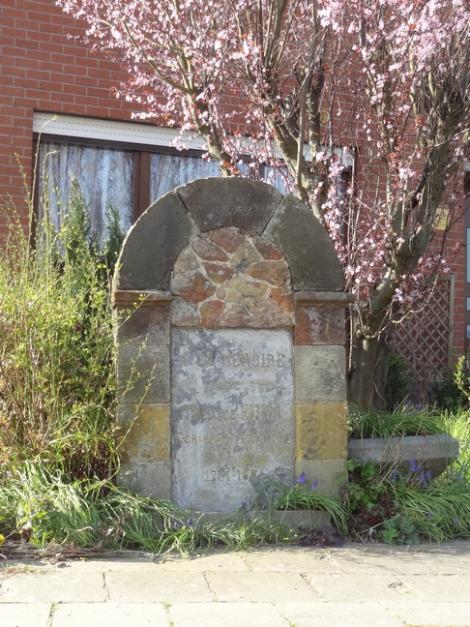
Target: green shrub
{"points": [[457, 424], [396, 423], [404, 508], [57, 375]]}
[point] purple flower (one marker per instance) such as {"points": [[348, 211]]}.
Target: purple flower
{"points": [[314, 485], [189, 522], [425, 477], [302, 479], [414, 466]]}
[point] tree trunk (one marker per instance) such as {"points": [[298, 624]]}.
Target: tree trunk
{"points": [[367, 374]]}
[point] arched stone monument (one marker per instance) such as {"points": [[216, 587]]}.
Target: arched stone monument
{"points": [[230, 343]]}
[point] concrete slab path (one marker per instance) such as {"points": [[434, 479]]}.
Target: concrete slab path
{"points": [[355, 585]]}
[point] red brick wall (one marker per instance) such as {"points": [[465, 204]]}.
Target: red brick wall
{"points": [[42, 70]]}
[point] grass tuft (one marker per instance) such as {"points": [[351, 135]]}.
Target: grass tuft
{"points": [[39, 506], [397, 423]]}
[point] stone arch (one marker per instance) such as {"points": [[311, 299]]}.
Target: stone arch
{"points": [[233, 280], [158, 237]]}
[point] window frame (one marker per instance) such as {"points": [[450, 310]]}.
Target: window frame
{"points": [[142, 157]]}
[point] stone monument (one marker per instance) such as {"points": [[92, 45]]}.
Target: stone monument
{"points": [[230, 335]]}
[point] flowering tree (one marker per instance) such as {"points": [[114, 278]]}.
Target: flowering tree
{"points": [[285, 83]]}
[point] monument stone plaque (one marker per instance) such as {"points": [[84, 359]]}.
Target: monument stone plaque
{"points": [[232, 414], [230, 337]]}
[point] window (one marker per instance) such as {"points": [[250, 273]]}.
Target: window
{"points": [[123, 165], [170, 171], [104, 177]]}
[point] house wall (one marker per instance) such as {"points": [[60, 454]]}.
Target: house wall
{"points": [[44, 70]]}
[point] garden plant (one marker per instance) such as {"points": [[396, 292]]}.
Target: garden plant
{"points": [[278, 86]]}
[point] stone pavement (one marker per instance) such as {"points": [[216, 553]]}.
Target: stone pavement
{"points": [[355, 585]]}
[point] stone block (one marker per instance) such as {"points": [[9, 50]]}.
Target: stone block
{"points": [[147, 432], [321, 430], [307, 247], [153, 245], [143, 372], [184, 314], [148, 478], [319, 324], [207, 250], [329, 475], [320, 373], [228, 239], [232, 415], [147, 323], [432, 452], [217, 202]]}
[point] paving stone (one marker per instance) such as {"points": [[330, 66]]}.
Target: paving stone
{"points": [[337, 615], [52, 586], [295, 560], [110, 615], [376, 559], [162, 586], [272, 587], [140, 565], [227, 561], [26, 615], [226, 615], [432, 613], [444, 588], [352, 588]]}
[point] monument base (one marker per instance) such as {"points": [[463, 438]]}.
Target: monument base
{"points": [[311, 520]]}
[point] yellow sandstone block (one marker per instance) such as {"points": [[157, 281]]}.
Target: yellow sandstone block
{"points": [[321, 431], [148, 434]]}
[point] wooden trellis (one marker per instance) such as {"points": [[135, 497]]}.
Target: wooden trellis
{"points": [[424, 339]]}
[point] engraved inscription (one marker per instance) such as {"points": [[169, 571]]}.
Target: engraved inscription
{"points": [[238, 359], [232, 414]]}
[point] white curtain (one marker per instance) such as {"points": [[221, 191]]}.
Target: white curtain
{"points": [[104, 176], [170, 171]]}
